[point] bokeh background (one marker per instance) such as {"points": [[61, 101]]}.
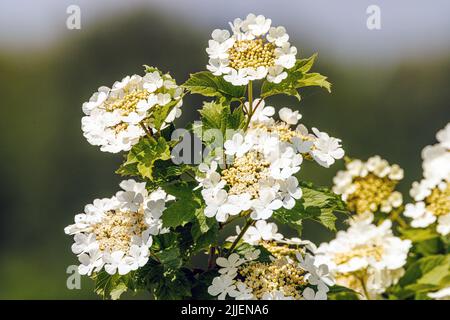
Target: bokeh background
{"points": [[390, 95]]}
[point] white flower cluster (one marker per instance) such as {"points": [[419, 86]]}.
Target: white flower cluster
{"points": [[284, 278], [254, 51], [261, 231], [369, 186], [116, 233], [261, 178], [432, 193], [366, 258], [115, 116]]}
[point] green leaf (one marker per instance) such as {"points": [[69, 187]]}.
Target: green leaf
{"points": [[264, 254], [160, 113], [182, 210], [218, 115], [173, 285], [112, 286], [209, 85], [317, 204], [418, 268], [201, 284], [298, 77], [142, 156], [342, 293], [170, 257]]}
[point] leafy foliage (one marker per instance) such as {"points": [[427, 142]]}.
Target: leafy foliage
{"points": [[183, 209], [318, 204], [142, 156], [209, 85], [298, 77], [427, 274], [112, 286], [218, 115]]}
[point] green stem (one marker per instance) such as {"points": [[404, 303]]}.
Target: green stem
{"points": [[240, 235], [395, 216], [250, 103], [147, 131], [212, 253]]}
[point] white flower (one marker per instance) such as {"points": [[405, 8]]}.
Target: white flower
{"points": [[238, 145], [222, 286], [229, 265], [302, 146], [242, 55], [262, 230], [243, 292], [278, 35], [443, 226], [309, 294], [214, 200], [237, 78], [252, 254], [443, 294], [264, 206], [113, 116], [443, 136], [286, 165], [285, 55], [137, 257], [261, 112], [436, 162], [115, 234], [115, 262], [83, 243], [276, 295], [365, 250], [258, 25], [421, 217], [327, 149], [220, 35], [276, 74], [90, 261], [130, 200], [290, 192], [218, 66], [289, 116]]}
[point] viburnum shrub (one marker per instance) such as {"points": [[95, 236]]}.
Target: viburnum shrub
{"points": [[239, 169]]}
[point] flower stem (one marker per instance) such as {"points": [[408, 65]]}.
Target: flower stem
{"points": [[250, 103], [147, 131], [212, 253], [240, 235], [395, 216]]}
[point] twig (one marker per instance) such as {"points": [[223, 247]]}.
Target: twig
{"points": [[240, 235]]}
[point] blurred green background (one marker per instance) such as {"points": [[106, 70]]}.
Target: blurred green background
{"points": [[387, 99]]}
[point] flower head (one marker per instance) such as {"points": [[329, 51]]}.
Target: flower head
{"points": [[254, 50], [114, 116], [116, 233], [281, 278], [368, 187], [366, 258]]}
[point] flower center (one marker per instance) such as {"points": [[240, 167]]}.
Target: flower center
{"points": [[251, 54], [438, 202], [362, 251], [128, 102], [262, 277], [117, 228], [370, 192], [246, 173]]}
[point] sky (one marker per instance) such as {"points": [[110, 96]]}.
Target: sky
{"points": [[409, 28]]}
